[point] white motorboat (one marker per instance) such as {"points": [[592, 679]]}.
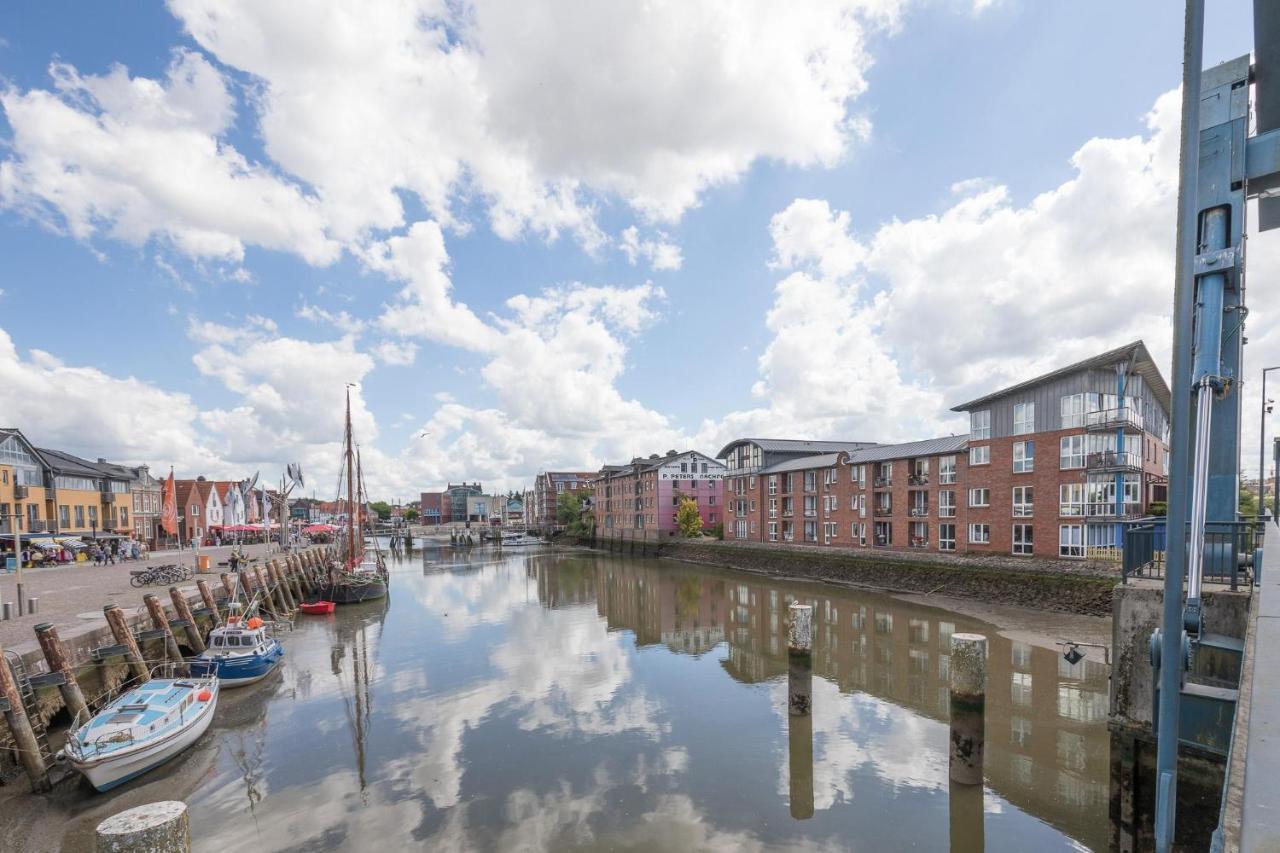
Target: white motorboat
{"points": [[521, 540], [142, 729]]}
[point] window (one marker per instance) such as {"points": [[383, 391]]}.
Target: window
{"points": [[810, 481], [946, 537], [773, 531], [980, 424], [64, 516], [740, 529], [711, 500], [773, 484], [1071, 499], [979, 497], [946, 470], [857, 475], [1022, 539], [1024, 418], [773, 507], [883, 533], [919, 533], [704, 467], [1024, 460], [195, 510], [858, 533], [980, 534], [829, 531], [811, 531], [1022, 498], [124, 516], [1072, 408], [1071, 540], [980, 455], [811, 505], [947, 503], [1071, 452], [80, 517]]}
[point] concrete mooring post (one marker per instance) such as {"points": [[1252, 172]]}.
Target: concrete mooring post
{"points": [[55, 654], [968, 834], [124, 636], [24, 737], [154, 828], [160, 620], [210, 603], [968, 707], [800, 709], [183, 609]]}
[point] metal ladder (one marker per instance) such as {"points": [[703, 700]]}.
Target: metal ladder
{"points": [[28, 695]]}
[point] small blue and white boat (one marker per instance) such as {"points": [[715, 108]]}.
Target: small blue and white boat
{"points": [[142, 729], [239, 653]]}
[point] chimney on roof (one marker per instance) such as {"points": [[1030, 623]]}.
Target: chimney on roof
{"points": [[101, 461], [200, 479]]}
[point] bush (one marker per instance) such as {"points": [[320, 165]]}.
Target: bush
{"points": [[1157, 508], [718, 530]]}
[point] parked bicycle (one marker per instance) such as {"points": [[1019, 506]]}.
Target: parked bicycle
{"points": [[166, 574]]}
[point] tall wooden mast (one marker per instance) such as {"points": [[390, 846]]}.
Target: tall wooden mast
{"points": [[351, 516]]}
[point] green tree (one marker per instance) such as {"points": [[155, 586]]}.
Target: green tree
{"points": [[569, 512], [1248, 502], [411, 514], [688, 519], [382, 508]]}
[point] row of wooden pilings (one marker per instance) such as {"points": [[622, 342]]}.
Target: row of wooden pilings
{"points": [[280, 585]]}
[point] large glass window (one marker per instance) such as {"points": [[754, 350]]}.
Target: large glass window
{"points": [[979, 497], [946, 537], [1022, 501], [1024, 457], [1071, 499], [1071, 452], [946, 470], [1022, 539], [1024, 418], [980, 455], [980, 424], [947, 503], [979, 534], [1071, 540]]}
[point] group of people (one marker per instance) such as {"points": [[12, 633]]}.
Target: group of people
{"points": [[102, 552]]}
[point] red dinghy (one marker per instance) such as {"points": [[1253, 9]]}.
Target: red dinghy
{"points": [[317, 608]]}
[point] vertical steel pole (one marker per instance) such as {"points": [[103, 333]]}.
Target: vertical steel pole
{"points": [[1262, 447], [1179, 457]]}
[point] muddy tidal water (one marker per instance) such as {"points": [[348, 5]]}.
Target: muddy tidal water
{"points": [[535, 700]]}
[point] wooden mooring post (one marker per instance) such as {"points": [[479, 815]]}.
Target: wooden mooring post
{"points": [[124, 636], [183, 609], [24, 736], [968, 707], [55, 654], [264, 594], [160, 620], [276, 576], [800, 709], [210, 603], [229, 585], [154, 828]]}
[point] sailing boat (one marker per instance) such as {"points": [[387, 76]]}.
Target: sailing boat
{"points": [[359, 573]]}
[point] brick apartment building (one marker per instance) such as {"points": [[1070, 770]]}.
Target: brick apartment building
{"points": [[1050, 467], [644, 494], [547, 488]]}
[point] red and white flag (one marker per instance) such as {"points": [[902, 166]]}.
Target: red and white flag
{"points": [[169, 512]]}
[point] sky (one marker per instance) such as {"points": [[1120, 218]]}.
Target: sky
{"points": [[532, 235]]}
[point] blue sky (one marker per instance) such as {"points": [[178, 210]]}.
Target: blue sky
{"points": [[782, 319]]}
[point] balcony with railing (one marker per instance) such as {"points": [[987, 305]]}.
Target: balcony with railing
{"points": [[918, 542], [883, 511], [919, 510], [920, 478], [27, 526], [1114, 460], [882, 481], [1125, 417], [1107, 510]]}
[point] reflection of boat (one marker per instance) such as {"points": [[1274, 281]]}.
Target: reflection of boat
{"points": [[521, 540], [360, 572], [142, 729], [239, 653]]}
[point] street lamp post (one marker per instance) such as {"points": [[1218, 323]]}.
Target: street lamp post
{"points": [[1262, 440]]}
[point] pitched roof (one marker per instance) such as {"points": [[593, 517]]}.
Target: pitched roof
{"points": [[68, 463], [795, 445], [925, 447], [878, 453], [1136, 353]]}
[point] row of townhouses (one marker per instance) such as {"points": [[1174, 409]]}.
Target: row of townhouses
{"points": [[43, 490], [1050, 467]]}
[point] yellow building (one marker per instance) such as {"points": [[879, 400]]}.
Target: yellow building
{"points": [[25, 503], [90, 498]]}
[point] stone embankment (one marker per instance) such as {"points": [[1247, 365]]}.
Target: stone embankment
{"points": [[1063, 585]]}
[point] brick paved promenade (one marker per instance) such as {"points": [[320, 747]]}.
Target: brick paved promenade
{"points": [[72, 596]]}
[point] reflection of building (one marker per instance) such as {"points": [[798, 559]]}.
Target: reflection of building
{"points": [[1047, 742], [1047, 745]]}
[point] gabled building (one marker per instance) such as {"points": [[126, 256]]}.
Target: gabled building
{"points": [[25, 486], [91, 497], [645, 494], [547, 488]]}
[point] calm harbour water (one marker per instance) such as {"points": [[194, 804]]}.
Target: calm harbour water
{"points": [[542, 701]]}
